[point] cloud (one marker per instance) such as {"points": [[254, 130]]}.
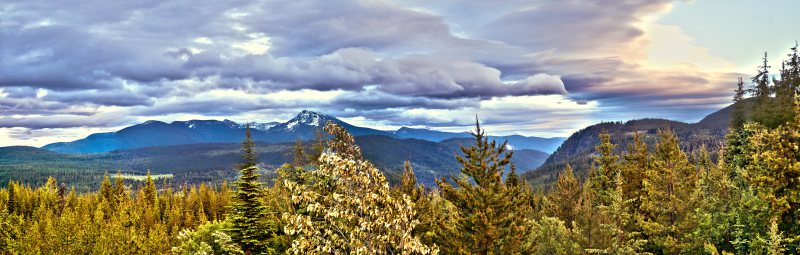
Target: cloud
{"points": [[63, 121], [78, 64]]}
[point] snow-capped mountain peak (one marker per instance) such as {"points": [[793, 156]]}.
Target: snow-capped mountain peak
{"points": [[263, 126], [307, 118]]}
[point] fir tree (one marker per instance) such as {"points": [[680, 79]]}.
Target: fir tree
{"points": [[737, 117], [299, 157], [565, 196], [150, 191], [408, 183], [633, 169], [11, 205], [106, 189], [620, 217], [248, 210], [489, 211], [607, 168], [668, 204], [120, 195], [762, 90], [249, 157]]}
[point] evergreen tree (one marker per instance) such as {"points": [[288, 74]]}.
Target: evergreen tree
{"points": [[248, 210], [489, 220], [120, 195], [106, 189], [620, 218], [668, 205], [249, 157], [150, 191], [565, 197], [299, 157], [408, 183], [633, 169], [607, 168], [773, 173], [317, 146], [762, 90], [737, 116]]}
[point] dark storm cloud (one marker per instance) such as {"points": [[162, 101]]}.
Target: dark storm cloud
{"points": [[109, 98], [316, 27], [371, 100], [426, 76]]}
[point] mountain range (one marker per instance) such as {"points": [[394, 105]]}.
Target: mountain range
{"points": [[579, 148], [206, 150], [302, 127]]}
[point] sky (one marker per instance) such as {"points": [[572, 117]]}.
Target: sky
{"points": [[537, 67]]}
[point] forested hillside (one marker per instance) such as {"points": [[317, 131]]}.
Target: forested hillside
{"points": [[198, 163]]}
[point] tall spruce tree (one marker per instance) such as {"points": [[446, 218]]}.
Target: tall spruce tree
{"points": [[607, 168], [490, 212], [737, 117], [564, 199], [668, 205], [633, 169], [248, 212], [150, 191], [762, 90], [299, 155]]}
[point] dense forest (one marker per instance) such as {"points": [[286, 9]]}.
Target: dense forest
{"points": [[331, 200]]}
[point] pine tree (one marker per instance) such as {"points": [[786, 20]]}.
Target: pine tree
{"points": [[773, 173], [737, 117], [408, 183], [12, 197], [512, 178], [317, 146], [607, 168], [120, 195], [248, 210], [490, 220], [299, 157], [633, 169], [620, 217], [106, 189], [668, 205], [565, 197], [762, 90], [249, 157], [150, 191]]}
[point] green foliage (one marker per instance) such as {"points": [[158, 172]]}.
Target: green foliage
{"points": [[248, 213], [208, 238], [48, 221], [490, 213]]}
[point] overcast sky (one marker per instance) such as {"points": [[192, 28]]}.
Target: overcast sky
{"points": [[538, 67]]}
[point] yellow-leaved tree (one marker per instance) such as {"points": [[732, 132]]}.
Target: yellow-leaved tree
{"points": [[346, 207]]}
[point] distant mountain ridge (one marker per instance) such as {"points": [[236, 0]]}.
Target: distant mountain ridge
{"points": [[302, 127], [214, 162], [578, 149]]}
